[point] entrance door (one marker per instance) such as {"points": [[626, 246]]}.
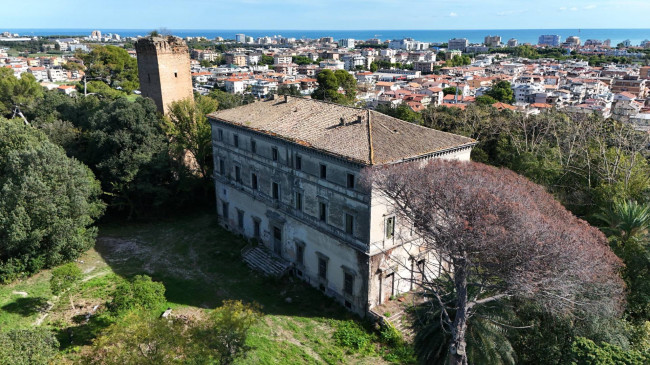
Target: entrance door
{"points": [[277, 241], [387, 287]]}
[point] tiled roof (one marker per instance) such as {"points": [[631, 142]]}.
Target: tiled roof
{"points": [[362, 136]]}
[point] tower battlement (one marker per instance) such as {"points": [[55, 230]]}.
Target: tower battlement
{"points": [[158, 44]]}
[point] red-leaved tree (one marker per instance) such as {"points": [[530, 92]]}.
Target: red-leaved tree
{"points": [[499, 236]]}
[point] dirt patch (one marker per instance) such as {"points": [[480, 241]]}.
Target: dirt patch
{"points": [[81, 311], [153, 258]]}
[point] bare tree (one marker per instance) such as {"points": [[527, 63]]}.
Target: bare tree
{"points": [[499, 236]]}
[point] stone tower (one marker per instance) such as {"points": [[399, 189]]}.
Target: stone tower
{"points": [[164, 70]]}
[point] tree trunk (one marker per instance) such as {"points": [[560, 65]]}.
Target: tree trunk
{"points": [[457, 353]]}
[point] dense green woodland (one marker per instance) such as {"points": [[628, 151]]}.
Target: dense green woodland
{"points": [[82, 158]]}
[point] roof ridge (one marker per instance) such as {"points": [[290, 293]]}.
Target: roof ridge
{"points": [[370, 149]]}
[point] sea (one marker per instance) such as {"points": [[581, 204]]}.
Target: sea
{"points": [[636, 36]]}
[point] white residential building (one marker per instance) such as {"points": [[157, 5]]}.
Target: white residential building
{"points": [[346, 43]]}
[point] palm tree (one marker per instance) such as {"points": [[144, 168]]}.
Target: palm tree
{"points": [[487, 341], [625, 219]]}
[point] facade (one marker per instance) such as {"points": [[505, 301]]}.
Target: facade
{"points": [[240, 38], [492, 41], [281, 59], [457, 44], [287, 174], [408, 44], [350, 62], [426, 67], [512, 42], [164, 70], [630, 84], [526, 93], [644, 72], [346, 43], [552, 40], [238, 59], [571, 42]]}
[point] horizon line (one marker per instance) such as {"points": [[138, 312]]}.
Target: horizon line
{"points": [[337, 30]]}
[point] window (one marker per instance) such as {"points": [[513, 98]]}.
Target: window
{"points": [[175, 74], [323, 171], [348, 283], [298, 201], [256, 228], [253, 146], [322, 267], [274, 154], [149, 77], [350, 181], [349, 223], [254, 181], [390, 227], [240, 219], [222, 167], [235, 140], [322, 211], [237, 174], [298, 162], [220, 134], [275, 191], [300, 253], [224, 208]]}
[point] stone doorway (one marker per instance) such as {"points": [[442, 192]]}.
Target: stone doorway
{"points": [[277, 241]]}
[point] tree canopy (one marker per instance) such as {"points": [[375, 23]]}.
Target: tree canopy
{"points": [[113, 65], [125, 144], [48, 202], [188, 127], [499, 237], [336, 86], [24, 92], [501, 91]]}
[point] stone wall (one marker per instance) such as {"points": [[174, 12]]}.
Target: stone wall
{"points": [[164, 70]]}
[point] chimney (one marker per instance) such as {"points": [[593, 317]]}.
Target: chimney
{"points": [[359, 119], [342, 122], [286, 98]]}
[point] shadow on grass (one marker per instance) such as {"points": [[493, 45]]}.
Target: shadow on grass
{"points": [[84, 332], [200, 265], [26, 306]]}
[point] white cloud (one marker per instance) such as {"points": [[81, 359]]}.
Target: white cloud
{"points": [[453, 14], [589, 7], [573, 9], [563, 8]]}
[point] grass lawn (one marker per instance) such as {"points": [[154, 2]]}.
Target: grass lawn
{"points": [[200, 265], [132, 97]]}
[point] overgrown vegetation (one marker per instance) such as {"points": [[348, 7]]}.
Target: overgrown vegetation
{"points": [[598, 169], [298, 332]]}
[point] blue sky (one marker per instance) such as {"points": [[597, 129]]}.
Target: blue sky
{"points": [[326, 14]]}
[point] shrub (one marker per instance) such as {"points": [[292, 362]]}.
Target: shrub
{"points": [[138, 293], [64, 277], [351, 335], [399, 351], [585, 352], [27, 347]]}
